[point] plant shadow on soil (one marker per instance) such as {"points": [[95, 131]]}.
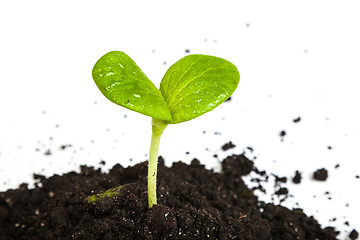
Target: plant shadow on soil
{"points": [[193, 203]]}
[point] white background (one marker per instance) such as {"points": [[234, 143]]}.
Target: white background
{"points": [[295, 59]]}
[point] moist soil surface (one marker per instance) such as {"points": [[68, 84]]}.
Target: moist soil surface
{"points": [[193, 203]]}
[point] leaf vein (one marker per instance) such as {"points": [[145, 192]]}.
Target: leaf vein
{"points": [[175, 107], [186, 71], [193, 79], [148, 82]]}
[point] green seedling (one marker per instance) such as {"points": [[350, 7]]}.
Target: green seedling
{"points": [[108, 193], [194, 85]]}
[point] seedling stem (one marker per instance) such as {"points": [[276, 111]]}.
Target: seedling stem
{"points": [[158, 127]]}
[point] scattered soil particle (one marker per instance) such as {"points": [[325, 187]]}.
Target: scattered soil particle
{"points": [[65, 146], [261, 173], [321, 174], [282, 191], [296, 120], [297, 178], [227, 146], [282, 135], [47, 152], [354, 235], [280, 179], [250, 149], [193, 203]]}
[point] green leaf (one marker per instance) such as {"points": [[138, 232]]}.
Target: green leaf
{"points": [[197, 84], [122, 82]]}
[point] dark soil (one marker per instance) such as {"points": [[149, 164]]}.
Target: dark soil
{"points": [[193, 203], [321, 174], [297, 178], [228, 146], [354, 234], [296, 120]]}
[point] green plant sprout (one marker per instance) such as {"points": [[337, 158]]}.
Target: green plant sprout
{"points": [[194, 85], [108, 193]]}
